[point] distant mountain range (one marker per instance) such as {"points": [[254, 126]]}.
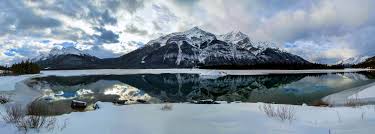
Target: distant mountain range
{"points": [[67, 58], [353, 60], [368, 63], [188, 49]]}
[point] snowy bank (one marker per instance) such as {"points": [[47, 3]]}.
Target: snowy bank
{"points": [[7, 83], [361, 95], [242, 118], [367, 93]]}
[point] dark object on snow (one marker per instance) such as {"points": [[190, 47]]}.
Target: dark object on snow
{"points": [[120, 102], [48, 98], [319, 103], [96, 106], [3, 101], [78, 104], [141, 101], [205, 102]]}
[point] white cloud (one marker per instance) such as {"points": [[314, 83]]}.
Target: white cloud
{"points": [[110, 28]]}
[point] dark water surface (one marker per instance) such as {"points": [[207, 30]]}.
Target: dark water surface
{"points": [[159, 88]]}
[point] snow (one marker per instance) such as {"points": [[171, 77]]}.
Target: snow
{"points": [[353, 60], [367, 93], [59, 51], [362, 94], [233, 37], [231, 46], [7, 83], [194, 36], [67, 50], [76, 101], [241, 118]]}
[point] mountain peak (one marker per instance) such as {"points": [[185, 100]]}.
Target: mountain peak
{"points": [[194, 30], [233, 36], [194, 36], [353, 60], [65, 51], [57, 51], [237, 33]]}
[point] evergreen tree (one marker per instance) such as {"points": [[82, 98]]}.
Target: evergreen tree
{"points": [[25, 67]]}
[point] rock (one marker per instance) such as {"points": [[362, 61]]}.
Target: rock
{"points": [[78, 104], [48, 98], [319, 103], [96, 106], [141, 101], [208, 101], [222, 102], [237, 102], [120, 102]]}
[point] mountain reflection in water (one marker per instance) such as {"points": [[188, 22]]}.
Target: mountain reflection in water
{"points": [[159, 88]]}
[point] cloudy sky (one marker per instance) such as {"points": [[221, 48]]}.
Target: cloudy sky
{"points": [[322, 31]]}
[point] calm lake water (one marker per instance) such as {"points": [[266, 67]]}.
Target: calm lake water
{"points": [[159, 88]]}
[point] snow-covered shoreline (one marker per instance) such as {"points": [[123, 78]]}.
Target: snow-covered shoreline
{"points": [[237, 118], [240, 118], [362, 95]]}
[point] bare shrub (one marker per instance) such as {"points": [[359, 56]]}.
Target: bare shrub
{"points": [[281, 112], [338, 116], [31, 117], [38, 108], [363, 115], [14, 113], [36, 117], [167, 107], [36, 122], [268, 109], [354, 102], [4, 98]]}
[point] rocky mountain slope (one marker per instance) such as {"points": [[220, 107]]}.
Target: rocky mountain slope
{"points": [[188, 49], [353, 60], [196, 47], [67, 58], [368, 63]]}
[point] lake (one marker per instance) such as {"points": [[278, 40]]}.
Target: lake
{"points": [[180, 88]]}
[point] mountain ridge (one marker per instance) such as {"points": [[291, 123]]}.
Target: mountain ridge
{"points": [[188, 49]]}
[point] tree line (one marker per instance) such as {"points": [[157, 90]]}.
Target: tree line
{"points": [[4, 68], [25, 67]]}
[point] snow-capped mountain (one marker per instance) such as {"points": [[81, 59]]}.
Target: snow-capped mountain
{"points": [[188, 49], [196, 47], [368, 63], [194, 36], [67, 58], [353, 60], [60, 51]]}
